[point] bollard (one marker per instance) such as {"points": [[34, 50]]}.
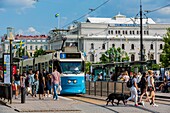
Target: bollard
{"points": [[23, 91]]}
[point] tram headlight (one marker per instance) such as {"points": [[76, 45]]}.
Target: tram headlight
{"points": [[69, 81], [75, 81]]}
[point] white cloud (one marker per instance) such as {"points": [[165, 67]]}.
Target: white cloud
{"points": [[18, 5], [162, 20], [2, 10], [29, 31], [165, 11]]}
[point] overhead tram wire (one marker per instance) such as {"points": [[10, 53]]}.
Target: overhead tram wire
{"points": [[91, 10], [149, 11]]}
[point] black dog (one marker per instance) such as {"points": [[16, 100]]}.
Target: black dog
{"points": [[118, 96]]}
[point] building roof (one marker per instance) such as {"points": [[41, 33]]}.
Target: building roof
{"points": [[20, 37], [119, 19]]}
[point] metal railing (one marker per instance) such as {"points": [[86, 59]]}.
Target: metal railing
{"points": [[104, 88]]}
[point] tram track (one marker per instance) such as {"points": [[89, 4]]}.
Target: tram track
{"points": [[101, 102]]}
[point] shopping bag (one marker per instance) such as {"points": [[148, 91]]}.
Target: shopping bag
{"points": [[59, 89]]}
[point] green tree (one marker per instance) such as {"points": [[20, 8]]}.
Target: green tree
{"points": [[165, 56], [87, 66], [21, 52], [114, 55], [39, 52]]}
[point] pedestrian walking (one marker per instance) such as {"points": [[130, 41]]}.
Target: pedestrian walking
{"points": [[143, 87], [133, 90], [151, 88], [31, 75], [41, 86], [45, 74], [36, 83], [56, 82], [17, 76], [48, 85]]}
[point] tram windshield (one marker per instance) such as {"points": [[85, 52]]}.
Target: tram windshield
{"points": [[71, 67]]}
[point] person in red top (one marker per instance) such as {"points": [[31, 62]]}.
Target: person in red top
{"points": [[56, 82]]}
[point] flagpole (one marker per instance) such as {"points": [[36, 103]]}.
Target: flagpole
{"points": [[58, 22]]}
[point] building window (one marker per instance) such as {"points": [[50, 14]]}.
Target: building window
{"points": [[92, 46], [123, 46], [137, 32], [92, 57], [126, 32], [103, 46], [132, 46], [36, 47], [147, 32], [41, 47], [30, 47], [151, 47], [116, 32], [111, 32], [46, 47], [30, 54], [130, 32], [133, 32], [161, 46], [144, 32], [132, 57], [113, 45], [123, 32], [152, 57]]}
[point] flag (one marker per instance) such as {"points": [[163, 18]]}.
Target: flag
{"points": [[56, 15], [22, 43]]}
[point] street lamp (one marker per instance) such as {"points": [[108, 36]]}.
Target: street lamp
{"points": [[10, 38]]}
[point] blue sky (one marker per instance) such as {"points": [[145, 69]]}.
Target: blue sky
{"points": [[29, 17]]}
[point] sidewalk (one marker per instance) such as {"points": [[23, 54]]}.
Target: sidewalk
{"points": [[62, 105], [163, 95], [46, 105]]}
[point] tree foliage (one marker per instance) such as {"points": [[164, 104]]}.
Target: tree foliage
{"points": [[165, 56], [87, 66], [21, 52], [114, 55], [39, 52]]}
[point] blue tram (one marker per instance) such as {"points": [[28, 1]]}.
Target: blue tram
{"points": [[69, 63]]}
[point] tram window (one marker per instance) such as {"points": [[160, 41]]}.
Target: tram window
{"points": [[71, 67]]}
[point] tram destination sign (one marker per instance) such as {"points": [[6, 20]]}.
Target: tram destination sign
{"points": [[70, 55]]}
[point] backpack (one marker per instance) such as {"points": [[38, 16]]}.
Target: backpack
{"points": [[129, 83]]}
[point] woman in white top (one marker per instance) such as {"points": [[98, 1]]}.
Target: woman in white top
{"points": [[151, 87], [133, 90]]}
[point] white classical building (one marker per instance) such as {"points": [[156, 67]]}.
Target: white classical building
{"points": [[97, 35]]}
